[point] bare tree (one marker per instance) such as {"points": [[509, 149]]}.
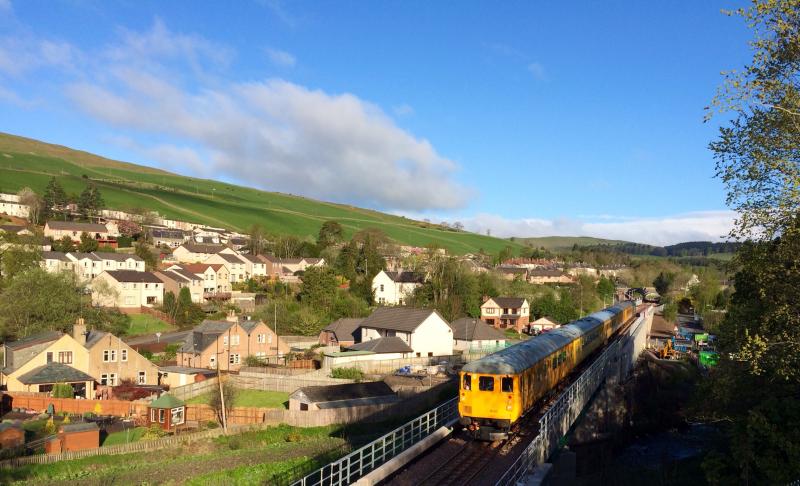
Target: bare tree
{"points": [[33, 201]]}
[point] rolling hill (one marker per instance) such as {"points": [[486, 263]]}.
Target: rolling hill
{"points": [[26, 162], [556, 243]]}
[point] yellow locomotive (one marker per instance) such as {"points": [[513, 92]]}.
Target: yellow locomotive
{"points": [[495, 391]]}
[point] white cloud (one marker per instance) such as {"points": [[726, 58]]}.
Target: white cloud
{"points": [[403, 110], [537, 71], [273, 134], [280, 58], [696, 226]]}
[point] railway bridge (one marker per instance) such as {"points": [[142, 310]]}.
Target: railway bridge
{"points": [[381, 458]]}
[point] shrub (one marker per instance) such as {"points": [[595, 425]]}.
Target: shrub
{"points": [[129, 390], [87, 415], [252, 360], [153, 432], [50, 426], [63, 390], [348, 373], [294, 437], [66, 420], [234, 443], [212, 424]]}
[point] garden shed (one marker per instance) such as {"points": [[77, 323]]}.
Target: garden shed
{"points": [[342, 396], [167, 411], [74, 437]]}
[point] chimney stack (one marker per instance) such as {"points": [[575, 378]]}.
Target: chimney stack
{"points": [[232, 316], [79, 331]]}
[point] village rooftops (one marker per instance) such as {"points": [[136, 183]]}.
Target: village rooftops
{"points": [[197, 268], [470, 329], [251, 258], [203, 248], [55, 255], [54, 373], [133, 276], [509, 302], [391, 344], [344, 329], [230, 258], [39, 338], [406, 277], [75, 226], [405, 319], [118, 257], [546, 272]]}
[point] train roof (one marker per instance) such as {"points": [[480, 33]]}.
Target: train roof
{"points": [[522, 356]]}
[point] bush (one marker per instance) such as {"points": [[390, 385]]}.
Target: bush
{"points": [[63, 390], [252, 360], [294, 437], [153, 432], [66, 420], [50, 426], [348, 373], [87, 415], [212, 424]]}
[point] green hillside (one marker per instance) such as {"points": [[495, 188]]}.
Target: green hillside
{"points": [[565, 242], [26, 162]]}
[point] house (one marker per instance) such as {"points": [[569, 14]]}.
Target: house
{"points": [[167, 412], [191, 252], [424, 331], [10, 205], [127, 290], [86, 265], [89, 265], [543, 324], [74, 437], [178, 278], [11, 435], [171, 238], [215, 277], [15, 229], [173, 376], [506, 312], [111, 360], [390, 347], [290, 266], [272, 265], [55, 262], [471, 334], [394, 288], [255, 267], [236, 265], [582, 270], [36, 363], [511, 273], [227, 344], [57, 230], [341, 332], [548, 275], [342, 396]]}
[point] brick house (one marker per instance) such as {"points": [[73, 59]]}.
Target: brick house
{"points": [[341, 332], [506, 312], [227, 344]]}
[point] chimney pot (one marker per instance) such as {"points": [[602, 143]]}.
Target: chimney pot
{"points": [[79, 331]]}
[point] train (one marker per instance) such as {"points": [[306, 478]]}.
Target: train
{"points": [[496, 390]]}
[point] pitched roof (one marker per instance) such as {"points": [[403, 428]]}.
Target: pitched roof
{"points": [[81, 256], [514, 270], [471, 329], [54, 373], [268, 258], [76, 226], [55, 255], [200, 267], [391, 344], [344, 329], [203, 335], [166, 401], [119, 257], [79, 427], [291, 261], [11, 228], [251, 258], [349, 391], [202, 248], [133, 276], [397, 318], [93, 338], [546, 272], [167, 234], [512, 302], [39, 338], [230, 258], [406, 277], [312, 261]]}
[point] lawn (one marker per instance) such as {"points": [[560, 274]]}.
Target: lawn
{"points": [[249, 398], [31, 163], [147, 324], [124, 436]]}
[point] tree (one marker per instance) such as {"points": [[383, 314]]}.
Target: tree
{"points": [[64, 245], [170, 304], [16, 259], [505, 254], [228, 395], [34, 203], [606, 289], [90, 201], [663, 282], [257, 242], [54, 199], [330, 233], [36, 301], [145, 252], [129, 229], [87, 244], [318, 288]]}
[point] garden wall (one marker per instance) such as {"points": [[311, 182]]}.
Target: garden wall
{"points": [[40, 401]]}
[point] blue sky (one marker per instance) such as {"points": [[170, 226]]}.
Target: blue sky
{"points": [[524, 118]]}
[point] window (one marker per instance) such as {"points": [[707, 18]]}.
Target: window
{"points": [[141, 378], [486, 383], [430, 354], [109, 355], [135, 286], [65, 357], [109, 379], [147, 286], [381, 287], [269, 339], [233, 358], [152, 414], [262, 338], [490, 310], [235, 340], [177, 416], [467, 385], [162, 413], [123, 355], [507, 384], [49, 357]]}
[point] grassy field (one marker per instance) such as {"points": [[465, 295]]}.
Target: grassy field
{"points": [[25, 162], [243, 459], [124, 436], [555, 243], [249, 398], [147, 324]]}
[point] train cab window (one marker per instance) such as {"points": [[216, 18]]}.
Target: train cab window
{"points": [[486, 383], [467, 382], [508, 384]]}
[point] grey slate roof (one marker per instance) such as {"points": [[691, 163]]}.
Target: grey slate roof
{"points": [[93, 338], [54, 373], [471, 329], [509, 302], [230, 258], [201, 248], [119, 257], [349, 391], [251, 258], [203, 335], [75, 226], [405, 319], [345, 329], [134, 276], [80, 427], [522, 356], [81, 256], [406, 277], [38, 338], [391, 344], [546, 272], [55, 255]]}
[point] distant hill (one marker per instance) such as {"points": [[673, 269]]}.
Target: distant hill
{"points": [[26, 162], [555, 243]]}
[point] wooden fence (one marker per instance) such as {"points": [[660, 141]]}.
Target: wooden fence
{"points": [[287, 384], [158, 314], [192, 390], [40, 401], [377, 366]]}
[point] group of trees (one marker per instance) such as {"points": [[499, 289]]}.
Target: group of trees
{"points": [[53, 203], [181, 308]]}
